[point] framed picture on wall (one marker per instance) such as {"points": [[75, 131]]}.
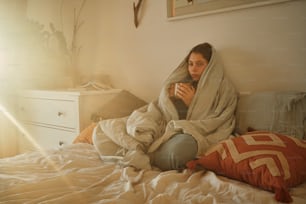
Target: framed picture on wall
{"points": [[177, 9]]}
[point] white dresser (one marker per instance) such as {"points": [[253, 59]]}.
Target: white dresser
{"points": [[52, 118]]}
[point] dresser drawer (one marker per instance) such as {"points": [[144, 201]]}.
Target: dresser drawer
{"points": [[61, 113], [44, 138]]}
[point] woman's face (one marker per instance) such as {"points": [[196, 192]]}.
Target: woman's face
{"points": [[196, 65]]}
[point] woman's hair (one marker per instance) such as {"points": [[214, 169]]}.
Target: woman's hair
{"points": [[205, 49]]}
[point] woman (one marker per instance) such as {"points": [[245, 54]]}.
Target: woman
{"points": [[195, 110], [198, 104], [181, 93]]}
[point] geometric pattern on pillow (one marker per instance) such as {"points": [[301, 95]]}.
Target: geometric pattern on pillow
{"points": [[270, 161]]}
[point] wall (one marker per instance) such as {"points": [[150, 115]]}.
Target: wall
{"points": [[59, 19], [26, 58], [263, 48]]}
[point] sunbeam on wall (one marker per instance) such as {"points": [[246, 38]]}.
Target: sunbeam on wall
{"points": [[32, 55]]}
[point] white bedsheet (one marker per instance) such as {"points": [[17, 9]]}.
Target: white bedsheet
{"points": [[76, 174]]}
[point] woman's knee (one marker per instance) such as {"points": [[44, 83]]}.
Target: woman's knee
{"points": [[174, 154]]}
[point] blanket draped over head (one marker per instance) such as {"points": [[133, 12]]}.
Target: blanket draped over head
{"points": [[210, 118]]}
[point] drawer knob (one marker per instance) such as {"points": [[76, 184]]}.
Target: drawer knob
{"points": [[59, 114], [61, 143]]}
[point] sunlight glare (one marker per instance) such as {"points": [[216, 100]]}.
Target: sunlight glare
{"points": [[11, 118], [28, 136]]}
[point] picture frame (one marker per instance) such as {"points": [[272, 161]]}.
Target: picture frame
{"points": [[178, 9]]}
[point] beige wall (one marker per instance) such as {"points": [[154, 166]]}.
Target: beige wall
{"points": [[25, 58], [263, 48]]}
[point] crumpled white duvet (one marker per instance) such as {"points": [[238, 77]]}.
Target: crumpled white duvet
{"points": [[76, 174]]}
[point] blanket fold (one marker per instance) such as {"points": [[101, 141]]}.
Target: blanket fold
{"points": [[144, 124]]}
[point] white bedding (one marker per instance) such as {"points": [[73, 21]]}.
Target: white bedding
{"points": [[76, 174]]}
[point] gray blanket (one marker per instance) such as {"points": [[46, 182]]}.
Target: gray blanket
{"points": [[279, 111], [210, 118]]}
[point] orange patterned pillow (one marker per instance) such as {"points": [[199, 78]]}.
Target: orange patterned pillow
{"points": [[267, 160]]}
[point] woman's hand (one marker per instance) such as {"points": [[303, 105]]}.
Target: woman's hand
{"points": [[185, 92]]}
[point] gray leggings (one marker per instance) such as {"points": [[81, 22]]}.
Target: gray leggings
{"points": [[174, 153]]}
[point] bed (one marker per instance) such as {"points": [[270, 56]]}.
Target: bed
{"points": [[76, 173]]}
